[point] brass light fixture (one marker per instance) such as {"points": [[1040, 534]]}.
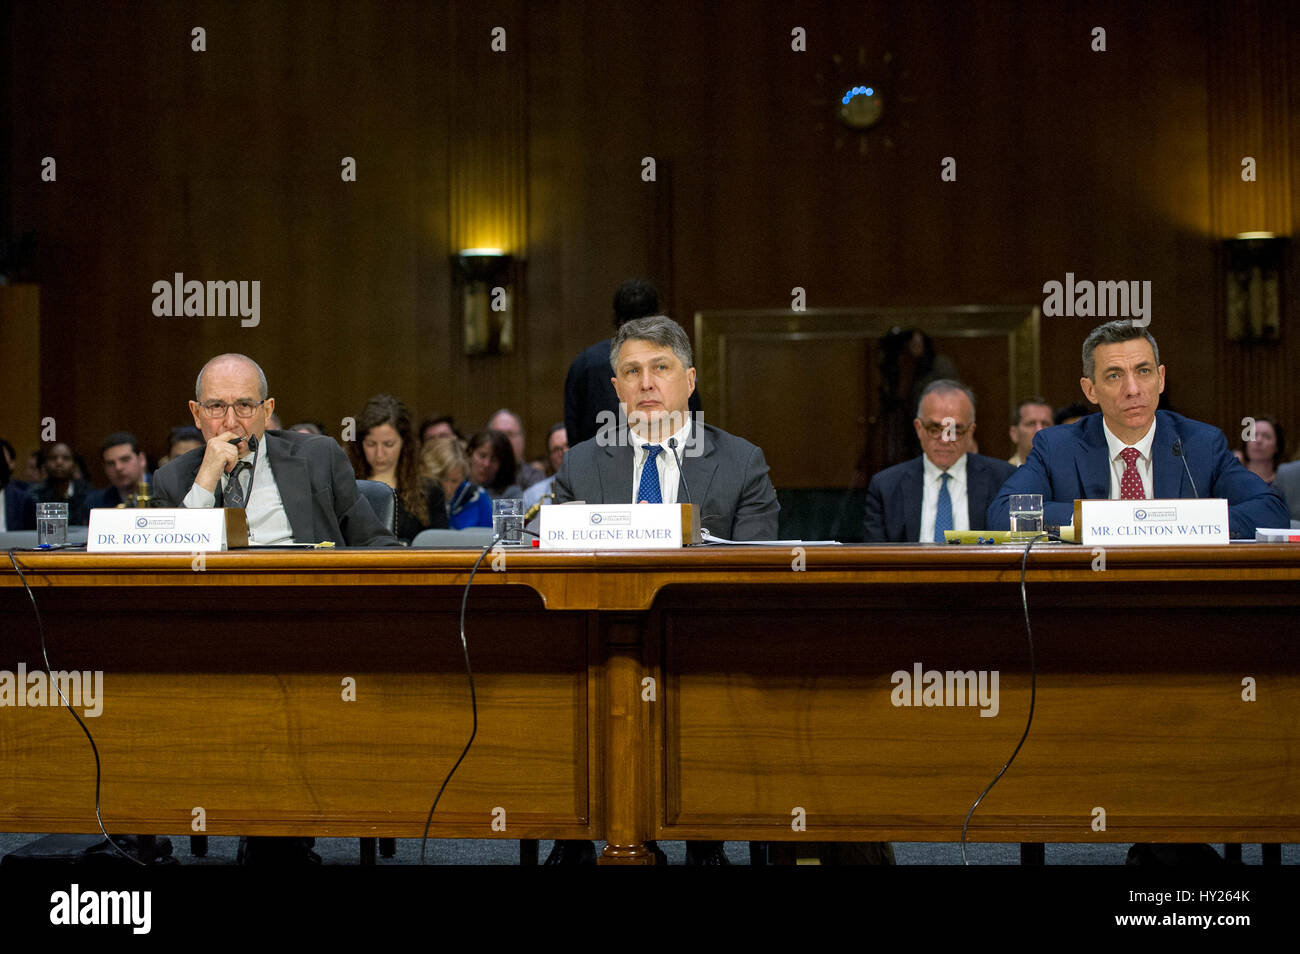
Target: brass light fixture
{"points": [[1254, 265], [486, 299]]}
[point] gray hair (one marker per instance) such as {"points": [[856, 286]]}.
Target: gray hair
{"points": [[945, 386], [659, 329], [262, 389], [1113, 332]]}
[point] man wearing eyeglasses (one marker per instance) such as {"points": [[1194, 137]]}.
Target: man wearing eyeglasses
{"points": [[296, 488], [948, 487]]}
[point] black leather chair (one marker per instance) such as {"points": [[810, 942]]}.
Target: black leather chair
{"points": [[382, 501]]}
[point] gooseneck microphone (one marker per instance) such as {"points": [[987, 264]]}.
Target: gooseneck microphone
{"points": [[1178, 452], [672, 444]]}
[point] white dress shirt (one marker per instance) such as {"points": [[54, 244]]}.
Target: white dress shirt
{"points": [[268, 524], [931, 479], [669, 475], [1115, 446]]}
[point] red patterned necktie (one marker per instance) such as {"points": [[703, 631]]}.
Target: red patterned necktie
{"points": [[1130, 484]]}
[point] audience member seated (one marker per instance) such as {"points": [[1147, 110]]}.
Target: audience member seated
{"points": [[443, 460], [557, 445], [492, 464], [309, 427], [1027, 420], [181, 440], [1070, 413], [58, 463], [17, 508], [385, 450], [125, 466], [1288, 485], [11, 462], [1263, 454], [948, 487], [431, 428], [509, 424]]}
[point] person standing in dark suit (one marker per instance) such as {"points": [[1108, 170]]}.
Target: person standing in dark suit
{"points": [[1128, 450], [587, 388], [948, 487], [296, 488]]}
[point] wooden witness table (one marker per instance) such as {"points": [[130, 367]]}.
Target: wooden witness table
{"points": [[718, 693]]}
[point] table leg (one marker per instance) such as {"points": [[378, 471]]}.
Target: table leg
{"points": [[626, 744]]}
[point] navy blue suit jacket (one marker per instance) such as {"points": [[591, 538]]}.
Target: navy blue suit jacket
{"points": [[20, 509], [1072, 462], [894, 497]]}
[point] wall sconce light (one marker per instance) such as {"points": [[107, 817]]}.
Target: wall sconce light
{"points": [[1254, 286], [486, 306]]}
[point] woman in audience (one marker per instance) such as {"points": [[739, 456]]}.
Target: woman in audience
{"points": [[1266, 451], [444, 461], [384, 450], [61, 485], [492, 464], [17, 509]]}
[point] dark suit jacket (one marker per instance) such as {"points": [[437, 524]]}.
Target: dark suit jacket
{"points": [[1287, 483], [588, 391], [894, 497], [727, 479], [316, 484], [106, 496], [1072, 462], [20, 509]]}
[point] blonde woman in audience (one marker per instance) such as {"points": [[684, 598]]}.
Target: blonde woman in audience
{"points": [[443, 460]]}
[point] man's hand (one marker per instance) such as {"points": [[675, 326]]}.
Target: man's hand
{"points": [[219, 458]]}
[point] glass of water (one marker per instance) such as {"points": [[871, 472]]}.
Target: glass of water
{"points": [[508, 520], [52, 524], [1026, 516]]}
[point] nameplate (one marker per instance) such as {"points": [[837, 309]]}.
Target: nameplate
{"points": [[1151, 522], [618, 526], [157, 530]]}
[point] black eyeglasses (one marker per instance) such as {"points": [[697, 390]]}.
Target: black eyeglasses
{"points": [[215, 409]]}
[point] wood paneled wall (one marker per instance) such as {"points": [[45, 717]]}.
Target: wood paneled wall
{"points": [[225, 164]]}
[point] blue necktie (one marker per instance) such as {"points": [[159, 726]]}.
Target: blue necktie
{"points": [[649, 490], [943, 511]]}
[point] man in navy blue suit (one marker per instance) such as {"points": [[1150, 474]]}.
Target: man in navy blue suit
{"points": [[948, 487], [1133, 450]]}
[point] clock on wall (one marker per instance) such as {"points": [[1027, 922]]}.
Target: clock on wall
{"points": [[863, 96]]}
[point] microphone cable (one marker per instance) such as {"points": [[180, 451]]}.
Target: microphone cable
{"points": [[473, 697], [1033, 689], [49, 672]]}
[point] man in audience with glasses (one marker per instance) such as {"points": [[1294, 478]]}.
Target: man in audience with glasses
{"points": [[948, 487], [296, 488]]}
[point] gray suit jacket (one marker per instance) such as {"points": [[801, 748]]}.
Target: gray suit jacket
{"points": [[316, 484], [727, 479], [1287, 483]]}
